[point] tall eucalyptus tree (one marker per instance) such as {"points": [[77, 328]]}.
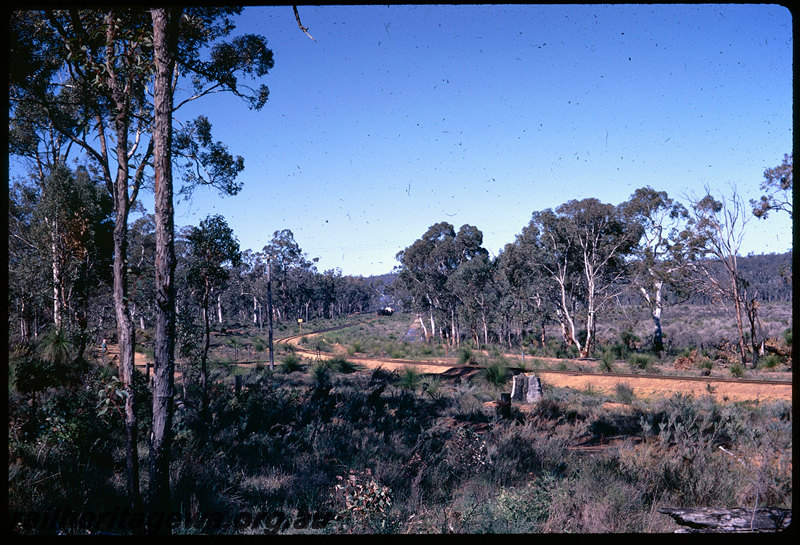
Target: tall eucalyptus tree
{"points": [[659, 257]]}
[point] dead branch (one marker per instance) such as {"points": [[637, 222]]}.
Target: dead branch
{"points": [[304, 29]]}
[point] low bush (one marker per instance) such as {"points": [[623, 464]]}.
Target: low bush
{"points": [[291, 363], [342, 365], [737, 369], [624, 393], [464, 356], [496, 373], [410, 379], [606, 364], [641, 361], [770, 361]]}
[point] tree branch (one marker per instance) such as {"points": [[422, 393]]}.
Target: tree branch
{"points": [[304, 29]]}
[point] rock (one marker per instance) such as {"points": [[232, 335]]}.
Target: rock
{"points": [[526, 388]]}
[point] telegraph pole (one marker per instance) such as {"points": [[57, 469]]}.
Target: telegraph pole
{"points": [[269, 314]]}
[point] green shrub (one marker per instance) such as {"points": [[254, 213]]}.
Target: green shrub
{"points": [[464, 356], [705, 363], [57, 347], [434, 388], [409, 379], [737, 369], [629, 339], [342, 365], [770, 361], [539, 363], [321, 372], [573, 352], [363, 503], [32, 374], [641, 361], [258, 344], [607, 360], [496, 373], [290, 363], [525, 508]]}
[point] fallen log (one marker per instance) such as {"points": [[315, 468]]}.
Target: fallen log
{"points": [[711, 519]]}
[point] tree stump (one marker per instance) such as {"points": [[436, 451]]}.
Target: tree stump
{"points": [[526, 389], [711, 519]]}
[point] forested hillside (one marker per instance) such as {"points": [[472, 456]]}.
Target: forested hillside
{"points": [[769, 277]]}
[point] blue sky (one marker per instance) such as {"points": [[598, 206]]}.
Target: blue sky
{"points": [[399, 117]]}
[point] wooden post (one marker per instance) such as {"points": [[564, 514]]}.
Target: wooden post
{"points": [[505, 404]]}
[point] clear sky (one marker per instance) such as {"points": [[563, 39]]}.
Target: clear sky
{"points": [[399, 117]]}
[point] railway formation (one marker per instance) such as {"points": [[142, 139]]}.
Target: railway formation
{"points": [[725, 388]]}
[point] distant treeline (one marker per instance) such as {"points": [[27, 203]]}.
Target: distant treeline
{"points": [[769, 275]]}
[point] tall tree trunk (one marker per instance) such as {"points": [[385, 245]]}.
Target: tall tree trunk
{"points": [[164, 39], [203, 363], [24, 326], [269, 314], [58, 309], [125, 332], [590, 313], [485, 328], [422, 323], [751, 310], [737, 303], [656, 306], [125, 341], [453, 326]]}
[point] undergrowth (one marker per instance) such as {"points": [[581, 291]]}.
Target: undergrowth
{"points": [[327, 449]]}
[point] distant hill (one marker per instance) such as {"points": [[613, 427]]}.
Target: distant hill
{"points": [[769, 277], [771, 274]]}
